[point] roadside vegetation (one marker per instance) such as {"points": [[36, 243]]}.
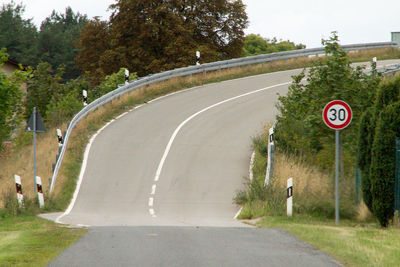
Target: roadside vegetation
{"points": [[369, 229]]}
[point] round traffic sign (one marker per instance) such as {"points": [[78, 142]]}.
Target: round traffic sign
{"points": [[337, 114]]}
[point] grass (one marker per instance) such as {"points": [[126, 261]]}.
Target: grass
{"points": [[31, 241], [357, 241], [351, 243]]}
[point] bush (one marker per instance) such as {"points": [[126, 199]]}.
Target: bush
{"points": [[383, 163]]}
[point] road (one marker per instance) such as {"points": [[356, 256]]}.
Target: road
{"points": [[159, 182]]}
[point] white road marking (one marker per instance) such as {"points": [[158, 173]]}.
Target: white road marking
{"points": [[237, 214], [153, 189], [168, 148], [151, 201], [120, 116]]}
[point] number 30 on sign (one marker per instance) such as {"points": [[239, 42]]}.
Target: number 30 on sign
{"points": [[337, 114]]}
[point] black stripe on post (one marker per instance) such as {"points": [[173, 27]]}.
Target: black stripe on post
{"points": [[39, 188], [289, 192], [19, 188]]}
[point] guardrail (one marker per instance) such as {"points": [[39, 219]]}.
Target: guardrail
{"points": [[191, 70]]}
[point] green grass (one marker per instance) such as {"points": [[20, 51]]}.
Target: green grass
{"points": [[351, 243], [31, 241]]}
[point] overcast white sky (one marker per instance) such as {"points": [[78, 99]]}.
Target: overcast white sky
{"points": [[301, 21]]}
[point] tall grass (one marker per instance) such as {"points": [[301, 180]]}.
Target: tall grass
{"points": [[20, 160], [313, 189]]}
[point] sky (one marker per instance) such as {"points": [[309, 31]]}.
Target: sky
{"points": [[300, 21]]}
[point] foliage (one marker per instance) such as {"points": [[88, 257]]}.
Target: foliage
{"points": [[10, 99], [153, 36], [94, 39], [300, 128], [69, 104], [254, 44], [56, 40], [376, 153], [18, 35], [42, 87]]}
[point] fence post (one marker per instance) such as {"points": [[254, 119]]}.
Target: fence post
{"points": [[358, 185], [397, 178]]}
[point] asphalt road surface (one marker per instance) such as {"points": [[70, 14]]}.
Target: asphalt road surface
{"points": [[159, 182]]}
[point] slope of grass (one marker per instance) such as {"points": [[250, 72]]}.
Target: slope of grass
{"points": [[31, 241], [352, 243]]}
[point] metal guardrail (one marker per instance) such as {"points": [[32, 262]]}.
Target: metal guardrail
{"points": [[191, 70]]}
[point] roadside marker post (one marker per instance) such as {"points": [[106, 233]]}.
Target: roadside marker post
{"points": [[126, 76], [197, 58], [289, 197], [270, 160], [60, 138], [337, 115], [84, 94], [18, 185], [40, 191]]}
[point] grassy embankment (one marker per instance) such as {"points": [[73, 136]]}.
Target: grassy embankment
{"points": [[30, 241], [357, 241], [19, 161]]}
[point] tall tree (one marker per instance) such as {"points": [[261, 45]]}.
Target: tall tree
{"points": [[18, 35], [94, 41], [57, 38], [152, 36]]}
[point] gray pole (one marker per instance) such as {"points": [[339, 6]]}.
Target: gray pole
{"points": [[337, 178], [34, 149]]}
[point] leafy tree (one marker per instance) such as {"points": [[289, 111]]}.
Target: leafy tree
{"points": [[152, 36], [93, 42], [57, 37], [10, 99], [18, 35], [300, 128], [254, 44], [42, 87]]}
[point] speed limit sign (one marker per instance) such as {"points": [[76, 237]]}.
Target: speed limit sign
{"points": [[337, 114]]}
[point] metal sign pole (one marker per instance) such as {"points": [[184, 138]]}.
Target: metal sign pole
{"points": [[337, 177], [34, 149]]}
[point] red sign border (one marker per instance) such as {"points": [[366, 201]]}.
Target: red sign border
{"points": [[325, 115]]}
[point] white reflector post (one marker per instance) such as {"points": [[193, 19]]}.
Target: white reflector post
{"points": [[60, 137], [126, 76], [197, 57], [40, 191], [84, 94], [270, 160], [289, 200], [18, 185]]}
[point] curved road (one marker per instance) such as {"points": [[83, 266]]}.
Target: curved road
{"points": [[159, 180]]}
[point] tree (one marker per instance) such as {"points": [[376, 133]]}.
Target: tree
{"points": [[10, 99], [93, 42], [383, 163], [153, 36], [254, 44], [300, 128], [57, 38], [42, 87], [18, 35]]}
